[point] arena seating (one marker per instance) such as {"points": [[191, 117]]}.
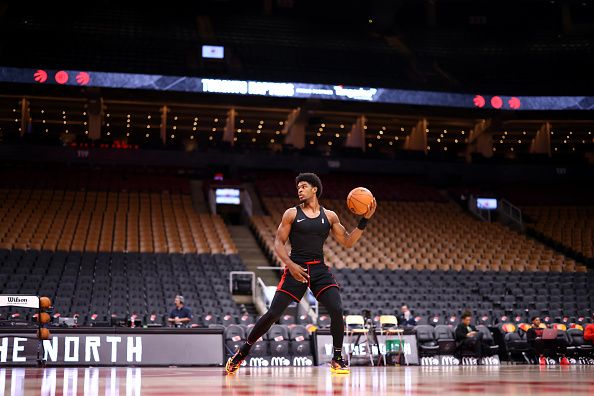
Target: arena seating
{"points": [[561, 213], [93, 221], [105, 243], [425, 235], [119, 284], [570, 226], [439, 297]]}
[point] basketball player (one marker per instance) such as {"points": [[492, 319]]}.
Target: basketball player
{"points": [[306, 226]]}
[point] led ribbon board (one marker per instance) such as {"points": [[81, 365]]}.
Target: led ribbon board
{"points": [[293, 90]]}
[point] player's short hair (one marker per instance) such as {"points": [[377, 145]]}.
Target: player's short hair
{"points": [[532, 319], [312, 179]]}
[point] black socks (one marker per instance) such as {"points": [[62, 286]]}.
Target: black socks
{"points": [[337, 353], [245, 349]]}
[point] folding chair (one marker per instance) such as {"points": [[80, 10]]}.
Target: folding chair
{"points": [[389, 326], [355, 325]]}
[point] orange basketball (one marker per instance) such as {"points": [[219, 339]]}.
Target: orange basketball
{"points": [[43, 334], [359, 200], [44, 302], [43, 318]]}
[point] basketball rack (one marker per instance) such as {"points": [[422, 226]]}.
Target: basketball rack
{"points": [[32, 302]]}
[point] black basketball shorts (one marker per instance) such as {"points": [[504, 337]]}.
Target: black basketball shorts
{"points": [[320, 279]]}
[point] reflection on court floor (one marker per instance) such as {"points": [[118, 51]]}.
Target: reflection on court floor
{"points": [[132, 381]]}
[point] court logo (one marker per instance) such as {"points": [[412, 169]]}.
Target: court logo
{"points": [[449, 360], [278, 361], [469, 361], [491, 361], [429, 361], [586, 361], [259, 362], [302, 361]]}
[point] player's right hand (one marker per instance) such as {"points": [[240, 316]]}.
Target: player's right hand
{"points": [[298, 272]]}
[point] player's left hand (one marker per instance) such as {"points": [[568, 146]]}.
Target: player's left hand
{"points": [[371, 209]]}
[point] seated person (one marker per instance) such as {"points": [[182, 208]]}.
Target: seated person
{"points": [[181, 315], [534, 338], [406, 318], [467, 337], [589, 332]]}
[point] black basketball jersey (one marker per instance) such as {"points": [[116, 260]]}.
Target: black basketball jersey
{"points": [[308, 235]]}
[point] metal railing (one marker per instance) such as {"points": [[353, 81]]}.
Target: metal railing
{"points": [[311, 309], [511, 215], [482, 214]]}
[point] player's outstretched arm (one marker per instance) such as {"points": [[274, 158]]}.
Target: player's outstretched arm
{"points": [[342, 236], [280, 240]]}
